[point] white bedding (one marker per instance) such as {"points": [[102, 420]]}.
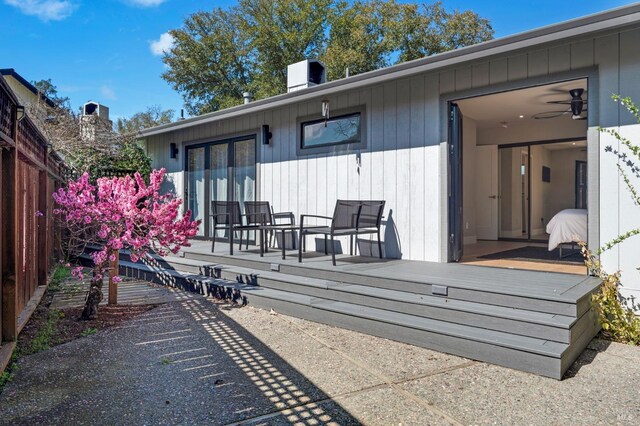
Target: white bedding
{"points": [[567, 226]]}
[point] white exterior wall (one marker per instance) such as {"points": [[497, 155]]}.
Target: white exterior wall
{"points": [[404, 161]]}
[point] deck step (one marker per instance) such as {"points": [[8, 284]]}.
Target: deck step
{"points": [[528, 340], [469, 283], [516, 321]]}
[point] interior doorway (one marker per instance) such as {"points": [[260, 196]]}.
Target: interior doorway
{"points": [[523, 175]]}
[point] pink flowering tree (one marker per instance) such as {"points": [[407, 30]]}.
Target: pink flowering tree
{"points": [[122, 213]]}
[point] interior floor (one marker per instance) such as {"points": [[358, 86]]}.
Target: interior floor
{"points": [[473, 256]]}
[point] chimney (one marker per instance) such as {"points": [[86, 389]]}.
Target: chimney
{"points": [[304, 74], [248, 97]]}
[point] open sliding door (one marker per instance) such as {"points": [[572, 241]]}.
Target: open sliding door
{"points": [[455, 184]]}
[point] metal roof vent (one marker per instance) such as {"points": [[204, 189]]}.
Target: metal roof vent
{"points": [[303, 74]]}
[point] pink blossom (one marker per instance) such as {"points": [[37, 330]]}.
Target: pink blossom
{"points": [[117, 279], [125, 213], [39, 213]]}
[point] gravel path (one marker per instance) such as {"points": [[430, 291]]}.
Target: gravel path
{"points": [[193, 362]]}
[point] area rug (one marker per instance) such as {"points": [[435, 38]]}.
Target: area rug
{"points": [[539, 254]]}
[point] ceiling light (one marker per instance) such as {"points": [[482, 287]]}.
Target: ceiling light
{"points": [[573, 143], [521, 116]]}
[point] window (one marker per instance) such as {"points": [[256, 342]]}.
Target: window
{"points": [[345, 131], [337, 130]]}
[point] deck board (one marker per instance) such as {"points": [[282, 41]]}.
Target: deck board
{"points": [[530, 284]]}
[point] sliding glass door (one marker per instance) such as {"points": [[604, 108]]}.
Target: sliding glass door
{"points": [[219, 171], [195, 192], [514, 192]]}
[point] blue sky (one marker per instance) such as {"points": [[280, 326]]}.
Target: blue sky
{"points": [[104, 50]]}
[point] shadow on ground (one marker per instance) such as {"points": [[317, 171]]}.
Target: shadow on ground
{"points": [[184, 362]]}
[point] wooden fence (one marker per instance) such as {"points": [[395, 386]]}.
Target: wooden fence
{"points": [[29, 173]]}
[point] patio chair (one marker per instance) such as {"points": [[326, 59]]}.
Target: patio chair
{"points": [[350, 218], [261, 213], [227, 216]]}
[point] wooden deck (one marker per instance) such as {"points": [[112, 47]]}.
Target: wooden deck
{"points": [[528, 320]]}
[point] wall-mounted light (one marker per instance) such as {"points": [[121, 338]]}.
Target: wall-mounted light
{"points": [[266, 134], [19, 112], [325, 111], [173, 150]]}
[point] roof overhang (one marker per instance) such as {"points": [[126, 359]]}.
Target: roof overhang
{"points": [[603, 21]]}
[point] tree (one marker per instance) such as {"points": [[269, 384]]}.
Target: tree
{"points": [[122, 213], [220, 54], [48, 90], [88, 143], [152, 116]]}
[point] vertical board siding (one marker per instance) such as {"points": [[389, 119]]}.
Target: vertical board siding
{"points": [[463, 78], [607, 57], [416, 167], [480, 75], [498, 71], [517, 67], [389, 165], [582, 54], [404, 183], [538, 63], [559, 59]]}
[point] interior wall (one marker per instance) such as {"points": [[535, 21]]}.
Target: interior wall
{"points": [[468, 179], [563, 180]]}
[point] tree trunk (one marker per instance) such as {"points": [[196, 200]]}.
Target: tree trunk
{"points": [[94, 297]]}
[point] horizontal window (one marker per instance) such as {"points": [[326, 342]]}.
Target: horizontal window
{"points": [[343, 129]]}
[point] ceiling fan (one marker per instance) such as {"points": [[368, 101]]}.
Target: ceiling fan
{"points": [[576, 107]]}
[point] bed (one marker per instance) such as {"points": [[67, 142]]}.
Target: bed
{"points": [[566, 227]]}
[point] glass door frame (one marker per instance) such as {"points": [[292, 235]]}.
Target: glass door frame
{"points": [[207, 174], [528, 145]]}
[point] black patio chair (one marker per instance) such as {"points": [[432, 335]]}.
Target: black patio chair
{"points": [[350, 218], [261, 213], [227, 216]]}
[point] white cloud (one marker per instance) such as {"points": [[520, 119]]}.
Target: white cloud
{"points": [[108, 93], [162, 45], [146, 3], [45, 10]]}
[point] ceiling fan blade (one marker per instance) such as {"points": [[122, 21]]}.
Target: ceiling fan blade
{"points": [[549, 114]]}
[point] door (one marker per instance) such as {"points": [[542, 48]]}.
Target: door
{"points": [[514, 192], [196, 199], [487, 192], [218, 177], [219, 171], [455, 183]]}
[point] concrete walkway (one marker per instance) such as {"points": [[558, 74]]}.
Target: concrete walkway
{"points": [[191, 362]]}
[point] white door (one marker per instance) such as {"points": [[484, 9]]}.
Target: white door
{"points": [[487, 192]]}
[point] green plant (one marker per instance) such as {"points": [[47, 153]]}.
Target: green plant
{"points": [[45, 335], [619, 322], [616, 315], [88, 332], [166, 361], [5, 377], [60, 273]]}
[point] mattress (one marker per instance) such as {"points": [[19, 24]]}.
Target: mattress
{"points": [[567, 226]]}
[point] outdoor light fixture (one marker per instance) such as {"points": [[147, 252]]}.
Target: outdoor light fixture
{"points": [[19, 112], [266, 134], [325, 111], [173, 150]]}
